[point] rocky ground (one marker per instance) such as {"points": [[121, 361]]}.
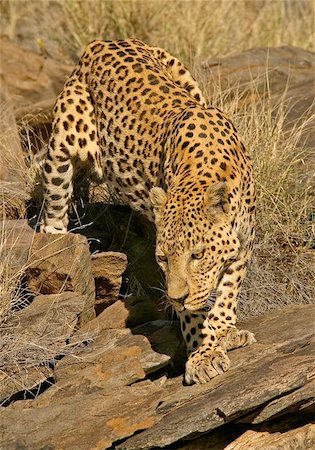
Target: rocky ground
{"points": [[111, 380], [85, 364]]}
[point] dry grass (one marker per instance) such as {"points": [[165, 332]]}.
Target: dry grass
{"points": [[282, 270], [283, 267], [9, 280], [191, 29], [19, 163]]}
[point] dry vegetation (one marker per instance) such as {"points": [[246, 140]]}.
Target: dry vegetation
{"points": [[196, 30], [283, 266], [191, 29]]}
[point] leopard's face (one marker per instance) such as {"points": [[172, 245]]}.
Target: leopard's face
{"points": [[194, 246]]}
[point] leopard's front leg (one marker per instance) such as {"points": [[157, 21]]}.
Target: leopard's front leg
{"points": [[217, 332], [205, 358]]}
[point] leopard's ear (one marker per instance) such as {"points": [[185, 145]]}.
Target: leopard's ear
{"points": [[158, 199], [216, 199]]}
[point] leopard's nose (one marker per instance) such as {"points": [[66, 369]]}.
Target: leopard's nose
{"points": [[180, 300]]}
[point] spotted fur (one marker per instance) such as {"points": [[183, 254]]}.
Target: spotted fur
{"points": [[135, 118]]}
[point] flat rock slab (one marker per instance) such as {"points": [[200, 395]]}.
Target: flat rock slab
{"points": [[80, 422], [263, 372], [104, 340], [265, 380]]}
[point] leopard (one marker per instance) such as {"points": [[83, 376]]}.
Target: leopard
{"points": [[134, 117]]}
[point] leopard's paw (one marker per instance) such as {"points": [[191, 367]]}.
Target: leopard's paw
{"points": [[234, 338], [202, 365]]}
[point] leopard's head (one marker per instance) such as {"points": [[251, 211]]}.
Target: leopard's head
{"points": [[195, 242]]}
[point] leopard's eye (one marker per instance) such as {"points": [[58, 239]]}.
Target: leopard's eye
{"points": [[198, 255], [161, 258]]}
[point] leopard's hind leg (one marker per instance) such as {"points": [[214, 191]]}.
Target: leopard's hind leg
{"points": [[74, 138]]}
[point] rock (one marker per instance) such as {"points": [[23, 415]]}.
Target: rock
{"points": [[164, 336], [291, 64], [217, 439], [52, 316], [98, 370], [35, 337], [127, 313], [80, 422], [17, 238], [33, 81], [115, 316], [107, 270], [296, 401], [282, 72], [62, 263], [90, 406], [110, 359], [105, 339], [23, 378], [277, 369], [299, 438]]}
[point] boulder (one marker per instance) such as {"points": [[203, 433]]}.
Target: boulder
{"points": [[17, 238], [33, 81], [281, 73], [59, 263]]}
